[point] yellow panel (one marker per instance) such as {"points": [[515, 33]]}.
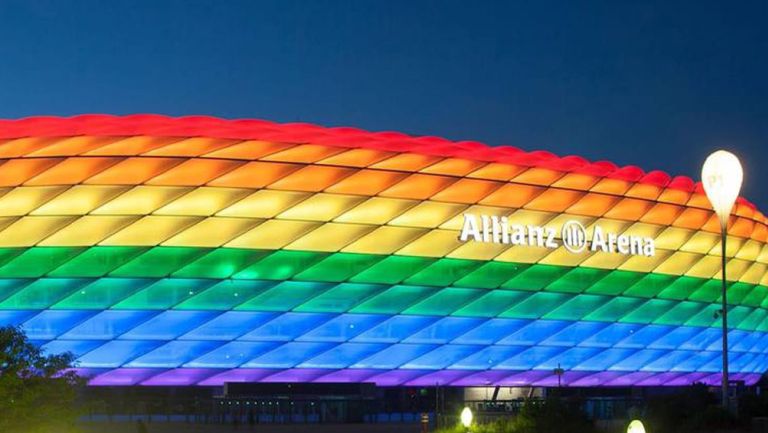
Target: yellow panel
{"points": [[435, 243], [27, 231], [496, 171], [272, 234], [212, 232], [673, 238], [676, 264], [306, 153], [750, 250], [264, 204], [203, 201], [24, 199], [79, 200], [150, 230], [523, 254], [557, 222], [428, 214], [735, 268], [141, 200], [376, 210], [754, 273], [194, 146], [478, 250], [563, 257], [88, 230], [706, 267], [457, 221], [453, 167], [603, 260], [732, 246], [330, 237], [700, 242], [763, 256], [644, 264], [357, 157], [640, 229], [321, 207], [384, 240], [531, 217]]}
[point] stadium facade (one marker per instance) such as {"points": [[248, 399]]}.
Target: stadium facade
{"points": [[199, 251]]}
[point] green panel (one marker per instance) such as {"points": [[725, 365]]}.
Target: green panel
{"points": [[9, 286], [705, 317], [536, 305], [680, 313], [445, 301], [159, 262], [7, 254], [756, 297], [649, 311], [392, 270], [753, 321], [225, 295], [341, 298], [394, 300], [97, 261], [36, 262], [763, 326], [281, 265], [708, 292], [737, 292], [614, 283], [492, 304], [536, 277], [491, 275], [577, 308], [443, 272], [102, 293], [42, 293], [736, 315], [578, 280], [681, 288], [220, 263], [164, 294], [615, 309], [339, 267], [650, 285], [284, 296]]}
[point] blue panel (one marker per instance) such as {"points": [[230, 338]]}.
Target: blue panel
{"points": [[569, 359], [115, 353], [703, 339], [15, 317], [758, 365], [441, 357], [108, 324], [605, 359], [286, 327], [675, 338], [343, 327], [49, 324], [530, 358], [746, 343], [669, 361], [735, 338], [76, 347], [394, 356], [488, 357], [231, 355], [638, 360], [645, 336], [574, 334], [492, 331], [762, 345], [169, 325], [288, 355], [534, 333], [228, 326], [715, 365], [395, 329], [740, 362], [696, 361], [173, 354], [343, 355], [611, 335], [444, 330]]}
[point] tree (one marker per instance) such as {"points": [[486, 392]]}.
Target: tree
{"points": [[37, 390]]}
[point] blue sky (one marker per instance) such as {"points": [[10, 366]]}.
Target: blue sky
{"points": [[659, 85]]}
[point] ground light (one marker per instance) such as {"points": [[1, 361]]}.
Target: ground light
{"points": [[721, 176], [636, 426], [466, 417]]}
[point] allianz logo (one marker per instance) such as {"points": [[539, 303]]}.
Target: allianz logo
{"points": [[573, 236]]}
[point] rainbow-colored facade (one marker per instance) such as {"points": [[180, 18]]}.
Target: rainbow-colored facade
{"points": [[199, 251]]}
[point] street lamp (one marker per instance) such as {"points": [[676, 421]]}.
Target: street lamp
{"points": [[722, 176], [466, 418]]}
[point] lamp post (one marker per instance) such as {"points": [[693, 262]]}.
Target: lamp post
{"points": [[721, 176], [466, 418]]}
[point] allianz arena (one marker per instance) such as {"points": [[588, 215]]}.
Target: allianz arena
{"points": [[200, 251]]}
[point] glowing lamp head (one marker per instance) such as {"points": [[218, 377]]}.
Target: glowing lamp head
{"points": [[721, 177], [636, 426], [466, 417]]}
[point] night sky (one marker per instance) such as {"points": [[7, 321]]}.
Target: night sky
{"points": [[655, 85]]}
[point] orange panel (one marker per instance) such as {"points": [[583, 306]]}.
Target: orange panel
{"points": [[555, 200], [134, 171], [255, 174], [593, 204], [357, 158], [497, 171], [699, 200], [692, 218], [252, 149], [662, 214], [195, 172], [644, 190], [743, 210], [367, 182], [195, 146], [742, 227], [73, 146], [671, 195], [467, 191], [629, 209], [576, 181], [306, 153], [312, 178], [73, 170], [407, 162], [512, 195], [453, 167], [612, 186], [22, 146], [132, 146], [16, 171], [760, 232], [418, 186], [538, 176]]}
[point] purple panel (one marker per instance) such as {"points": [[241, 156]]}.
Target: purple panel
{"points": [[441, 378], [348, 375], [567, 378], [597, 379], [687, 379], [522, 378], [659, 379], [396, 377], [88, 373], [712, 379], [181, 376], [296, 375], [629, 379], [237, 375], [751, 378], [124, 376], [486, 377]]}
